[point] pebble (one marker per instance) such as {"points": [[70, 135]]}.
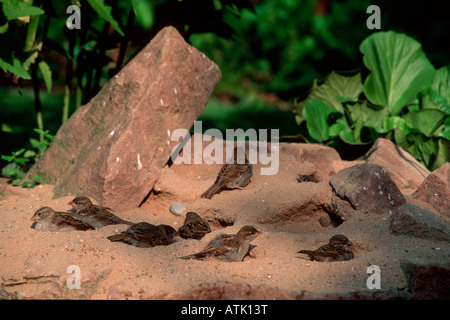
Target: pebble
{"points": [[177, 208]]}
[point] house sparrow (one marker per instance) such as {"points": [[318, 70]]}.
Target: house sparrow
{"points": [[47, 219], [231, 176], [194, 227], [97, 216], [337, 249], [306, 178], [145, 235], [230, 248]]}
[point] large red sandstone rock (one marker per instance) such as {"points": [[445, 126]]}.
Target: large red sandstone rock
{"points": [[369, 187], [427, 280], [403, 168], [113, 148], [435, 190]]}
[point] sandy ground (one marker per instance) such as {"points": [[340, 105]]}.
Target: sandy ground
{"points": [[35, 264]]}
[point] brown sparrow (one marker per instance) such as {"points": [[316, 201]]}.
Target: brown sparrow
{"points": [[145, 235], [306, 178], [230, 248], [194, 227], [337, 249], [231, 176], [95, 215], [47, 219]]}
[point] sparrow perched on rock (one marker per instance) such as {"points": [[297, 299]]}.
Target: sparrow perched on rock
{"points": [[226, 247], [94, 215], [337, 249], [47, 219], [145, 235], [231, 176], [194, 227]]}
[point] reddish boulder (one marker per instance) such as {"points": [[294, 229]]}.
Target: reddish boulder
{"points": [[367, 187], [404, 169], [415, 221], [427, 280], [113, 148], [435, 190]]}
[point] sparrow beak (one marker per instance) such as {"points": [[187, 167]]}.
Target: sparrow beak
{"points": [[71, 204], [33, 218]]}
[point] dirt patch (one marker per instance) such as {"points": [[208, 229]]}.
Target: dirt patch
{"points": [[291, 215]]}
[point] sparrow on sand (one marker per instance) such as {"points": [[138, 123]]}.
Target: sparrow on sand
{"points": [[145, 235], [95, 215], [306, 178], [229, 248], [47, 219], [231, 176], [337, 249], [194, 227]]}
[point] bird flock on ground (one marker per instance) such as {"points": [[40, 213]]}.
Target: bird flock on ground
{"points": [[84, 215]]}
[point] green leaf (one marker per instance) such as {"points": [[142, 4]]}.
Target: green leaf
{"points": [[425, 121], [104, 11], [446, 131], [29, 154], [438, 95], [34, 143], [6, 128], [37, 179], [19, 152], [441, 83], [4, 28], [145, 13], [319, 118], [399, 69], [9, 63], [395, 122], [366, 115], [14, 9], [421, 147], [443, 154], [7, 158], [335, 89], [46, 74]]}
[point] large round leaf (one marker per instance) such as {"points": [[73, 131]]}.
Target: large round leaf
{"points": [[320, 118], [399, 69]]}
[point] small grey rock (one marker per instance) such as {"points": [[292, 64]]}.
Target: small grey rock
{"points": [[177, 208]]}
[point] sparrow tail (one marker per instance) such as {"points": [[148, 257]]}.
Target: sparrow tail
{"points": [[117, 237], [308, 252], [214, 189], [194, 256]]}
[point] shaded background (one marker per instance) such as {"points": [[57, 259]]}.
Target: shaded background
{"points": [[269, 52]]}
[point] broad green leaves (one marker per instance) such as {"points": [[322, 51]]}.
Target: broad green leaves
{"points": [[399, 69], [403, 98], [318, 116]]}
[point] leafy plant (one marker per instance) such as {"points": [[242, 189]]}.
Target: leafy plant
{"points": [[20, 161], [403, 98]]}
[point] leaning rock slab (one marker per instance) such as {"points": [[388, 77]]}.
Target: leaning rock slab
{"points": [[367, 187], [412, 220], [435, 190], [427, 279], [113, 148], [404, 169]]}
